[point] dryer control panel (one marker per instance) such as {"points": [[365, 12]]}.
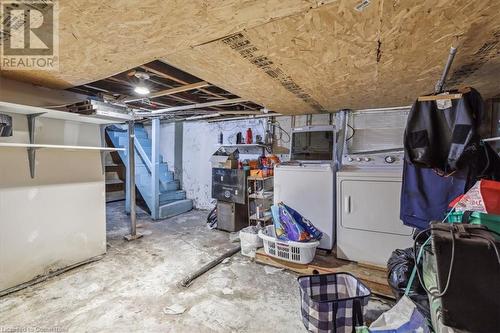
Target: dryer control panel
{"points": [[374, 160]]}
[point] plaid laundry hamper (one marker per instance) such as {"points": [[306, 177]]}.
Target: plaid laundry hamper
{"points": [[332, 302]]}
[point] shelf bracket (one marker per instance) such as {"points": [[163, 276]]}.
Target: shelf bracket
{"points": [[32, 151], [102, 129]]}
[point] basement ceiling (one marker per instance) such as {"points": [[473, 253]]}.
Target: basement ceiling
{"points": [[303, 57], [170, 88]]}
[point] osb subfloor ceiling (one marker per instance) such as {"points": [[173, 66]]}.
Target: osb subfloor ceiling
{"points": [[293, 56]]}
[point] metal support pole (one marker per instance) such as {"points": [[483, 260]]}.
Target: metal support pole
{"points": [[155, 168], [131, 182], [442, 80]]}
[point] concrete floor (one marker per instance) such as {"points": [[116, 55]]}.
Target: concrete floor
{"points": [[128, 290]]}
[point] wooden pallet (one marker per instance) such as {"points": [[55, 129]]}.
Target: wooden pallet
{"points": [[373, 276]]}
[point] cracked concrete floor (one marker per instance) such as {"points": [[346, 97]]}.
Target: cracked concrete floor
{"points": [[128, 290]]}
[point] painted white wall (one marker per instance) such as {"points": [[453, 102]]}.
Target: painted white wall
{"points": [[167, 142], [199, 145], [58, 218]]}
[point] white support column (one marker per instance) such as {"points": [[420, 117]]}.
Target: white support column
{"points": [[127, 168], [155, 168]]}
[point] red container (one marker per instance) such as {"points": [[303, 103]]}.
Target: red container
{"points": [[249, 138]]}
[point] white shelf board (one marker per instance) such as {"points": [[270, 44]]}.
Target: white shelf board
{"points": [[54, 114], [243, 145], [43, 146]]}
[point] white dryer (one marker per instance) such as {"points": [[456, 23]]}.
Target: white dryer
{"points": [[369, 187], [368, 224]]}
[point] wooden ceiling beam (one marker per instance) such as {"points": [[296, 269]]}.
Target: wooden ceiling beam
{"points": [[199, 106], [173, 90], [149, 68]]}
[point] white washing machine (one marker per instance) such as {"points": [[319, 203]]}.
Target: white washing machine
{"points": [[307, 184]]}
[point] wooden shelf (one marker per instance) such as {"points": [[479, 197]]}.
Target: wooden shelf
{"points": [[43, 146], [262, 197], [259, 178], [264, 219], [54, 114]]}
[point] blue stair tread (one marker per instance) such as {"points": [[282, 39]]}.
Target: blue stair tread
{"points": [[170, 185], [172, 195], [175, 208]]}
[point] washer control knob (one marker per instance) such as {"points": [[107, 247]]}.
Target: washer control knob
{"points": [[350, 159], [358, 159], [367, 159], [390, 159]]}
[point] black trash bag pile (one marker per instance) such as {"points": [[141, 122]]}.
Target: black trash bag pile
{"points": [[399, 267]]}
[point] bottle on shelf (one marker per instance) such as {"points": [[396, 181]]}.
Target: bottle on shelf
{"points": [[249, 138]]}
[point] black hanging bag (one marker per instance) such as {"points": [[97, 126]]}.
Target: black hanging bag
{"points": [[443, 134]]}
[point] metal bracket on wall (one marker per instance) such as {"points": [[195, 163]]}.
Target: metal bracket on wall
{"points": [[102, 129], [32, 151]]}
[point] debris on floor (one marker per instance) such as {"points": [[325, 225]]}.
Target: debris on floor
{"points": [[174, 309]]}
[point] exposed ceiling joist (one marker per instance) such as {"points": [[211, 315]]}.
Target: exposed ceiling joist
{"points": [[149, 68], [199, 106], [172, 91]]}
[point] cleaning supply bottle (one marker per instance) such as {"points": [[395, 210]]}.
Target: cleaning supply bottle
{"points": [[249, 136]]}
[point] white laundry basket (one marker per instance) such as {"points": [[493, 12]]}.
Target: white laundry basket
{"points": [[298, 252]]}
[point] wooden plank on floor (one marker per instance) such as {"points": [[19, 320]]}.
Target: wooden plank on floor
{"points": [[374, 277]]}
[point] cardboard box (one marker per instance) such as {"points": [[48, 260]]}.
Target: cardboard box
{"points": [[231, 164], [225, 158]]}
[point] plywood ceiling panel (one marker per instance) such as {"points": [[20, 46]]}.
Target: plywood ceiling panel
{"points": [[386, 55], [302, 57], [101, 38]]}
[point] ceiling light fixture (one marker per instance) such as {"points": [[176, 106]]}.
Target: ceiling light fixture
{"points": [[141, 87]]}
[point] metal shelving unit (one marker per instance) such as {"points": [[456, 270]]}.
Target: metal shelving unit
{"points": [[260, 199]]}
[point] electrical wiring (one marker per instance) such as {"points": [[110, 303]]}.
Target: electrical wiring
{"points": [[277, 124], [452, 260], [353, 132]]}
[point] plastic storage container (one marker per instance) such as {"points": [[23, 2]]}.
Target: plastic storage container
{"points": [[301, 253], [332, 302], [490, 221]]}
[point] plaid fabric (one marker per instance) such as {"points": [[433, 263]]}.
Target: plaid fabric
{"points": [[328, 302]]}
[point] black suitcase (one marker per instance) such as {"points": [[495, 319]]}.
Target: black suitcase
{"points": [[472, 299]]}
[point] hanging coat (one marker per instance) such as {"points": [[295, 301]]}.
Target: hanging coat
{"points": [[443, 135]]}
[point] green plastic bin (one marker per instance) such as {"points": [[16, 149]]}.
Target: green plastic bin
{"points": [[490, 221]]}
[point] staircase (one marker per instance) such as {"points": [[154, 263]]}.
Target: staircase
{"points": [[172, 200]]}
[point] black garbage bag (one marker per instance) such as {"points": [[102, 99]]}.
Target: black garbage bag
{"points": [[399, 268]]}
